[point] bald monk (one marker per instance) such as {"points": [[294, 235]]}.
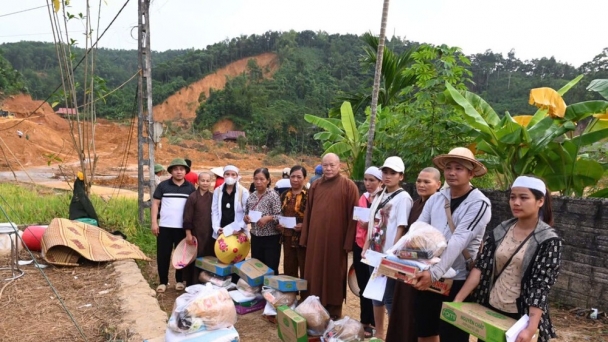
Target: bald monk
{"points": [[328, 232]]}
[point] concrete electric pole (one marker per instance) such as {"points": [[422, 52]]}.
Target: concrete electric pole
{"points": [[144, 99]]}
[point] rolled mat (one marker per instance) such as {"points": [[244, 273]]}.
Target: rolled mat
{"points": [[65, 241]]}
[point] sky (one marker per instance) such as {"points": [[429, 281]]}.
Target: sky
{"points": [[570, 31]]}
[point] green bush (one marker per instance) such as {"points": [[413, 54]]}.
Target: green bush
{"points": [[206, 134]]}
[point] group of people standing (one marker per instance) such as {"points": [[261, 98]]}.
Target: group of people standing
{"points": [[509, 269], [181, 211]]}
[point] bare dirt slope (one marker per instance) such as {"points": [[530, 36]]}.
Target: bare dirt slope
{"points": [[183, 104], [47, 135]]}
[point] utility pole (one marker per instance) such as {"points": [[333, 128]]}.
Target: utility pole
{"points": [[144, 98]]}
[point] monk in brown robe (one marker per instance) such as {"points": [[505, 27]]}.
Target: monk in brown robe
{"points": [[197, 223], [328, 232], [401, 323]]}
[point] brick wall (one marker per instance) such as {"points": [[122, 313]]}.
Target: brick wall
{"points": [[583, 224]]}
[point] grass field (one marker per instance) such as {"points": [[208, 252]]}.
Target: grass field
{"points": [[26, 204]]}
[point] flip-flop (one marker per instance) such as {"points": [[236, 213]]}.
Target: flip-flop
{"points": [[368, 332], [179, 286], [161, 288]]}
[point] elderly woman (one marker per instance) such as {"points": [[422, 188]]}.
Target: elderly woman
{"points": [[229, 201], [293, 204]]}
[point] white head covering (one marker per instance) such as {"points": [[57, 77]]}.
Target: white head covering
{"points": [[374, 171], [231, 168], [530, 183]]}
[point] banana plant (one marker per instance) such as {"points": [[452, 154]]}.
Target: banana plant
{"points": [[543, 144], [347, 139]]}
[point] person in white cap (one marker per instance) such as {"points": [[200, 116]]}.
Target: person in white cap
{"points": [[229, 201], [461, 212], [283, 184], [520, 261], [387, 222]]}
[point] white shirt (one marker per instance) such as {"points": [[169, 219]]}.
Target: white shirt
{"points": [[398, 209]]}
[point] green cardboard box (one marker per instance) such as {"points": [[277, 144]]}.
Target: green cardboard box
{"points": [[211, 264], [478, 321], [292, 326], [285, 283]]}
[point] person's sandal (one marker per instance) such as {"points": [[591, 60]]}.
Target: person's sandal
{"points": [[368, 331], [161, 288], [179, 286]]}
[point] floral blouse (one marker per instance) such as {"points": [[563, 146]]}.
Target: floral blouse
{"points": [[293, 206], [269, 204]]}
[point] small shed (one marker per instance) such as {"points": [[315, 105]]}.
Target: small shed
{"points": [[228, 136], [66, 112]]}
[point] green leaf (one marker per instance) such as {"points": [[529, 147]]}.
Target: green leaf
{"points": [[323, 123], [348, 122], [340, 148], [600, 194], [586, 173], [471, 114], [578, 111], [569, 85], [538, 116], [590, 138], [599, 85], [54, 104], [509, 132]]}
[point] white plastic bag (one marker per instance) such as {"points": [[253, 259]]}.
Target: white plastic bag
{"points": [[206, 277], [344, 330], [246, 289], [202, 307], [278, 298], [422, 241], [317, 318]]}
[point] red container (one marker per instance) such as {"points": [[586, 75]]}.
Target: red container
{"points": [[32, 237]]}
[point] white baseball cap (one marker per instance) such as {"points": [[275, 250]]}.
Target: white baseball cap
{"points": [[394, 163]]}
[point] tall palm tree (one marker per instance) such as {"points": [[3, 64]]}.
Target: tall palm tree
{"points": [[376, 89]]}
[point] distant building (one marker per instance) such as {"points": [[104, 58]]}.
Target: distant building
{"points": [[66, 112], [228, 136]]}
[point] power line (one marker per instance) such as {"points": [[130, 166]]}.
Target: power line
{"points": [[25, 10], [77, 65]]}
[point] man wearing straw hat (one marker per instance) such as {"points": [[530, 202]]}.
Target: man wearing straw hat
{"points": [[461, 212], [170, 196]]}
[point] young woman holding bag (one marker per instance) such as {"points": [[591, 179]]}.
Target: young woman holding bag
{"points": [[520, 261]]}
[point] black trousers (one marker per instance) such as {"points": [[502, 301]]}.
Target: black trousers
{"points": [[362, 272], [267, 249], [166, 241], [428, 313]]}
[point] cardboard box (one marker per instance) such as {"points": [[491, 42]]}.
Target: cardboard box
{"points": [[285, 283], [292, 326], [245, 309], [478, 321], [252, 271], [211, 264], [407, 274]]}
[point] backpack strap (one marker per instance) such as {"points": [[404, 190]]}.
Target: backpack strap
{"points": [[470, 262]]}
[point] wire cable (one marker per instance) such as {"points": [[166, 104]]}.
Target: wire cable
{"points": [[77, 64], [65, 308], [25, 10]]}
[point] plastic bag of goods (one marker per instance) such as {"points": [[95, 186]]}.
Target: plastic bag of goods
{"points": [[206, 277], [277, 298], [422, 241], [202, 307], [317, 318], [344, 330], [246, 289]]}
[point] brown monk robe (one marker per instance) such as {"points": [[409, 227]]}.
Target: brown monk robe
{"points": [[328, 232], [197, 219], [401, 326]]}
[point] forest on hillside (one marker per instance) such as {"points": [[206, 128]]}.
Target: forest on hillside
{"points": [[317, 69]]}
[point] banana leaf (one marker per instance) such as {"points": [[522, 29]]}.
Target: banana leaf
{"points": [[569, 85], [472, 116], [600, 194], [348, 122], [324, 124], [579, 111], [600, 86]]}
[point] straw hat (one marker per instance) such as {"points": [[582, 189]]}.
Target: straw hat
{"points": [[184, 254], [465, 157]]}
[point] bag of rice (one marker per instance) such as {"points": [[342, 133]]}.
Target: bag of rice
{"points": [[422, 241], [315, 314], [277, 298], [344, 330], [206, 277], [246, 289]]}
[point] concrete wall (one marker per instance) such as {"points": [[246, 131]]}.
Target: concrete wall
{"points": [[583, 224]]}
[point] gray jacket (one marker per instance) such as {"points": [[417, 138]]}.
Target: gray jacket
{"points": [[470, 219]]}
